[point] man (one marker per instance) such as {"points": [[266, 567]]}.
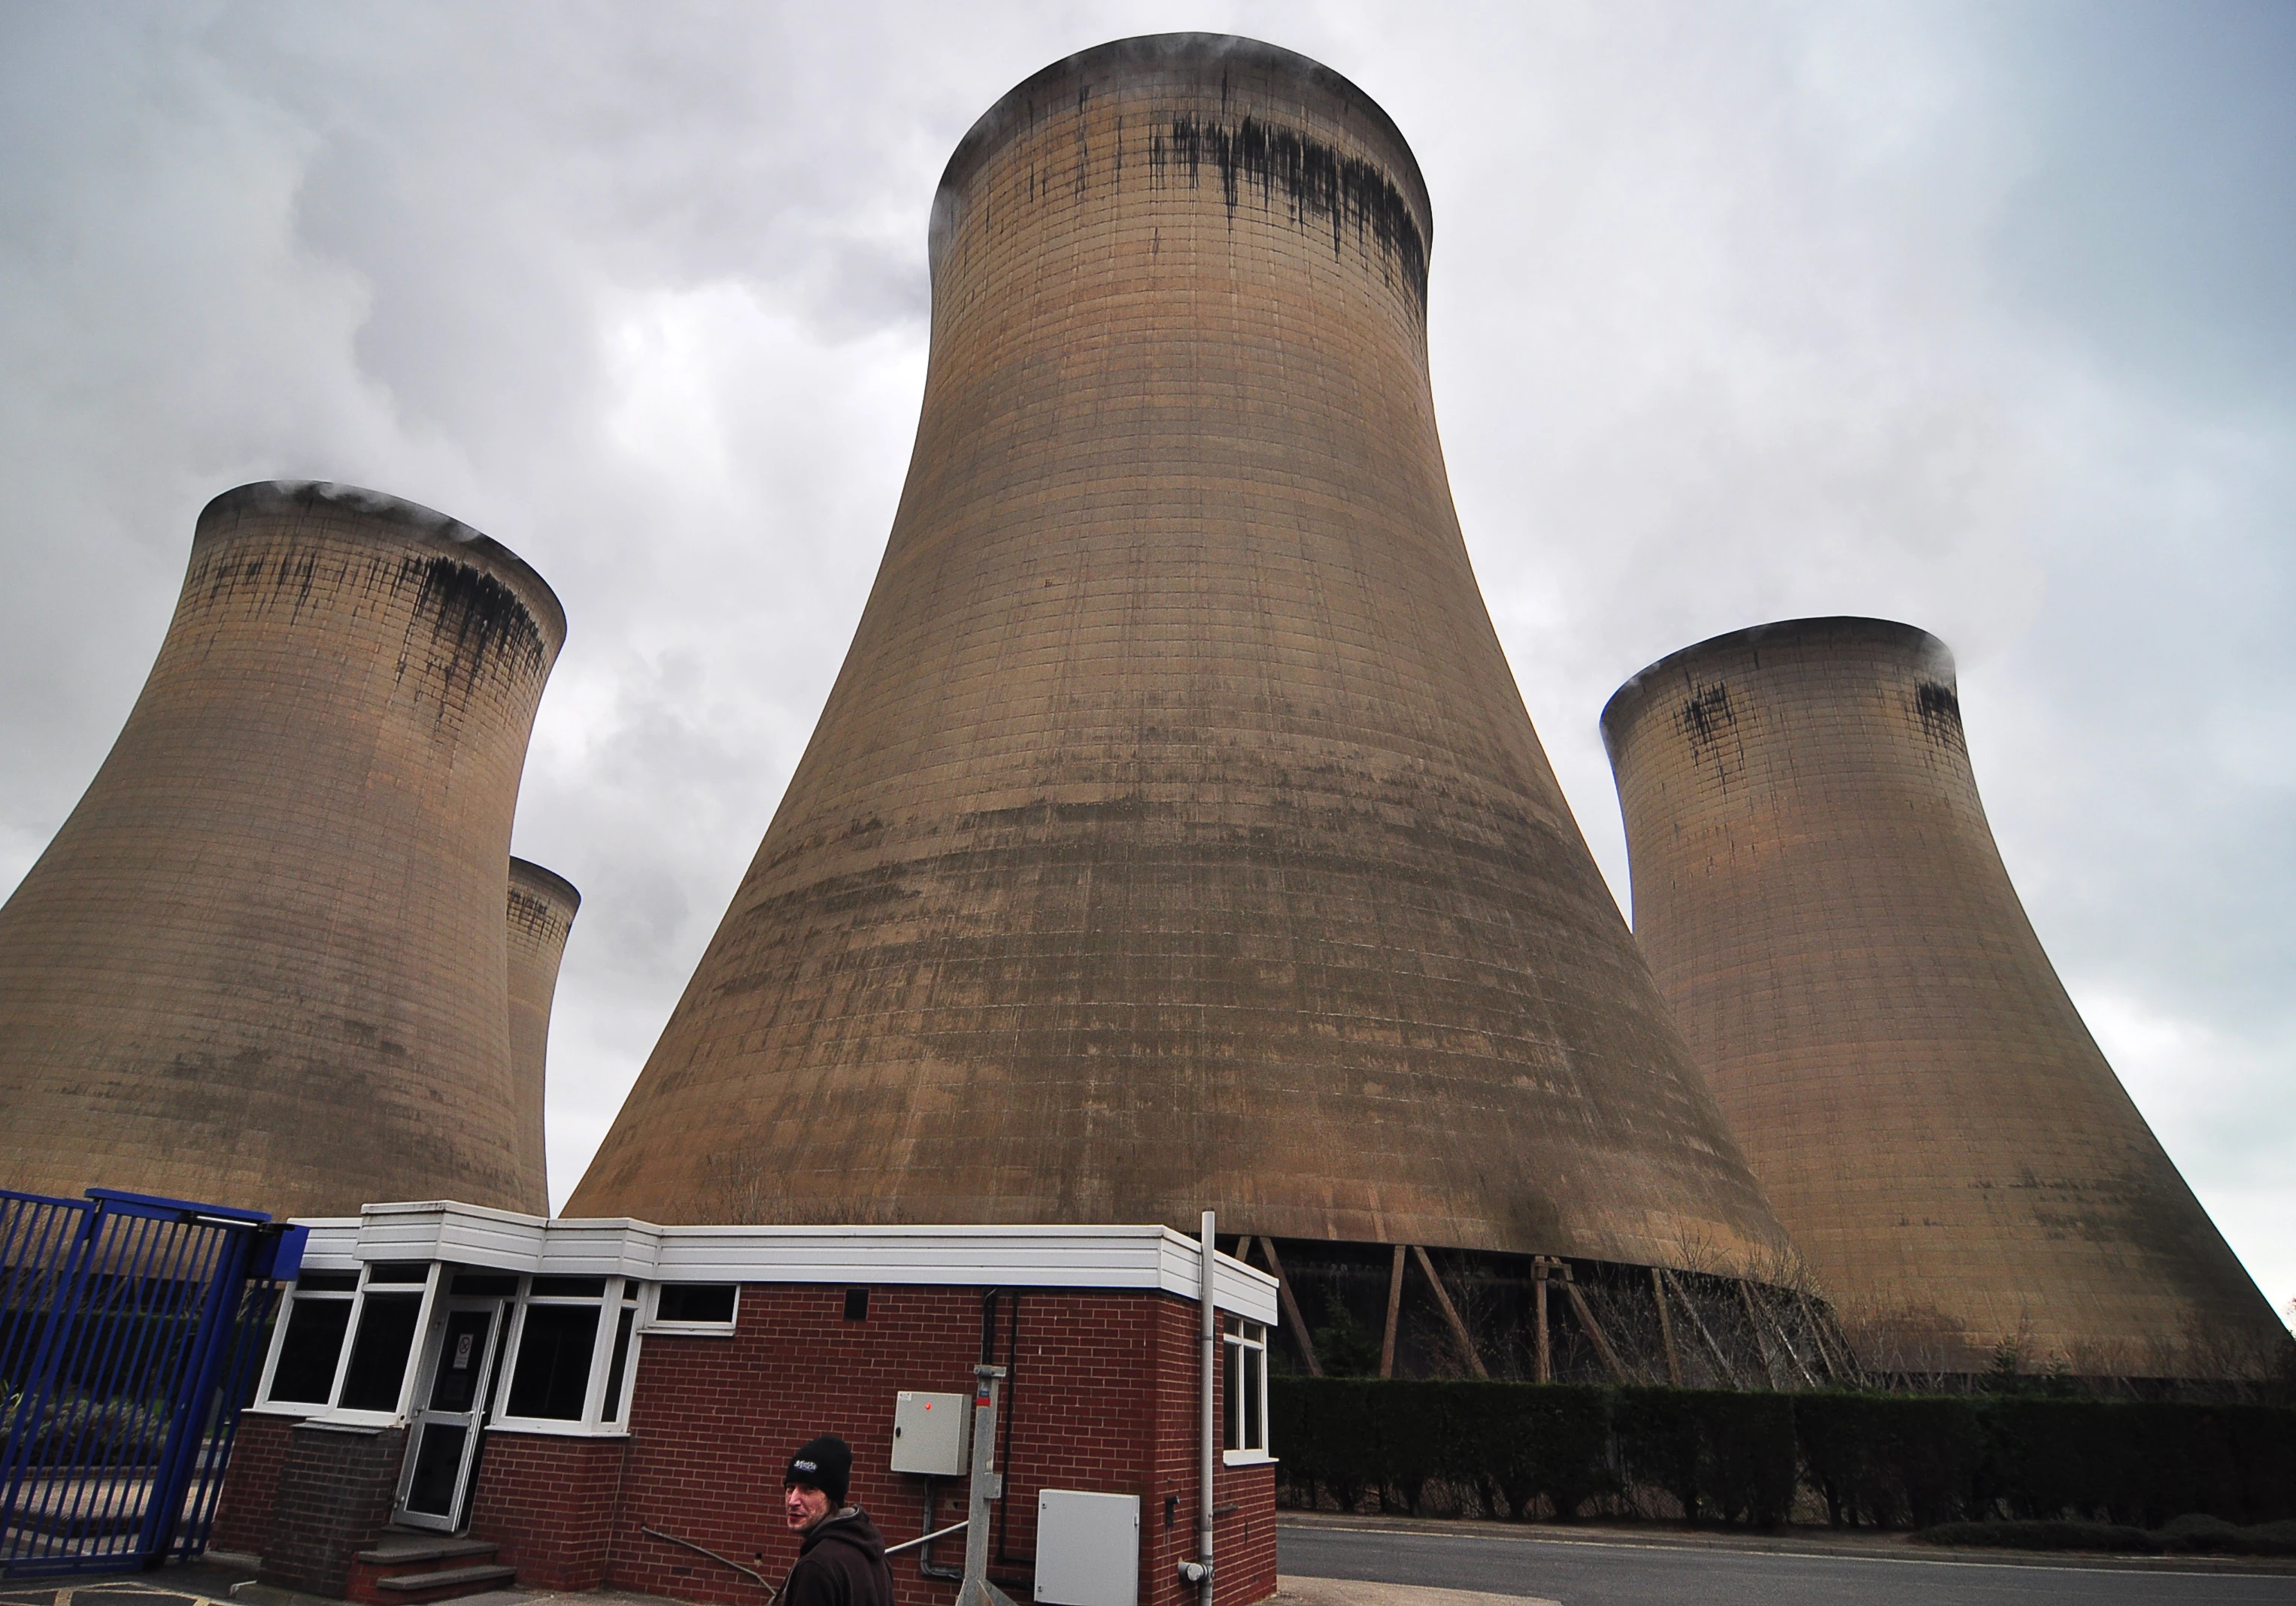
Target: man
{"points": [[842, 1560]]}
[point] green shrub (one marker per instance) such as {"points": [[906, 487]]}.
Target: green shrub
{"points": [[2041, 1536], [1712, 1449]]}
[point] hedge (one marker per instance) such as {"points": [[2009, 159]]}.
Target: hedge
{"points": [[1891, 1461]]}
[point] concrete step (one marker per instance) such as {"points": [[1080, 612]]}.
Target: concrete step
{"points": [[402, 1548], [448, 1584]]}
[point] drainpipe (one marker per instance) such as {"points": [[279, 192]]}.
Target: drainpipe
{"points": [[1204, 1577]]}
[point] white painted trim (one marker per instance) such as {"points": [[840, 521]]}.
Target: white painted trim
{"points": [[1149, 1257]]}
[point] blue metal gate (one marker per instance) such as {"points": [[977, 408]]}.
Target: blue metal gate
{"points": [[130, 1329]]}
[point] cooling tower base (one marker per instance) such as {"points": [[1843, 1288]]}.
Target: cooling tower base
{"points": [[1603, 1322]]}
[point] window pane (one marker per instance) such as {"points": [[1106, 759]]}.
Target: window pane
{"points": [[554, 1362], [612, 1411], [696, 1302], [1231, 1393], [306, 1358], [386, 1333], [326, 1283], [570, 1288], [1254, 1369], [398, 1270], [486, 1282]]}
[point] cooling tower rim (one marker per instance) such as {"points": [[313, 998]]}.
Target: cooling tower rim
{"points": [[549, 883], [425, 523], [1627, 701], [1013, 108]]}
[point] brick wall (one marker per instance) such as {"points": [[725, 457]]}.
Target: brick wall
{"points": [[334, 1496], [548, 1502], [251, 1482], [1103, 1397]]}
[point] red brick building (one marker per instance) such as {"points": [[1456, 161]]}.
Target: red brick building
{"points": [[573, 1400]]}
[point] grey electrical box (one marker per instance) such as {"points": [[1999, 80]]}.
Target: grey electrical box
{"points": [[928, 1434], [1087, 1548]]}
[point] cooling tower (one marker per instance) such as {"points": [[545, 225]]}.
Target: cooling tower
{"points": [[1174, 834], [1822, 901], [541, 912], [264, 961]]}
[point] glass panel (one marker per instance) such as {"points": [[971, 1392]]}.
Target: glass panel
{"points": [[308, 1357], [326, 1283], [612, 1411], [1255, 1367], [386, 1333], [503, 1284], [438, 1466], [398, 1270], [696, 1302], [462, 1353], [570, 1288], [1230, 1396], [554, 1362]]}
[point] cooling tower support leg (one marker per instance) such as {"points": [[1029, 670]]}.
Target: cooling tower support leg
{"points": [[1761, 1338], [1594, 1329], [1450, 1312], [1394, 1310], [1299, 1324], [1817, 1336], [1545, 1354], [1665, 1328], [1721, 1361]]}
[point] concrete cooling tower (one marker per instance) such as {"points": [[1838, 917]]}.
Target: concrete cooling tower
{"points": [[541, 913], [1824, 906], [1175, 834], [263, 962]]}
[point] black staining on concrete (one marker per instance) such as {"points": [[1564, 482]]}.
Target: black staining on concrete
{"points": [[1940, 710], [1319, 184], [474, 617], [1705, 713]]}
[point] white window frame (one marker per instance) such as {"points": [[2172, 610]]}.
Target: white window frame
{"points": [[650, 1319], [1243, 1343], [609, 1306], [427, 1293]]}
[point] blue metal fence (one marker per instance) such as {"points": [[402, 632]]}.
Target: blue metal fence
{"points": [[130, 1331]]}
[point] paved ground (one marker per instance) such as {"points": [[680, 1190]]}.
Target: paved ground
{"points": [[1592, 1568]]}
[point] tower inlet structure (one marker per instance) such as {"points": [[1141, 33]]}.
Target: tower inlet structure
{"points": [[263, 962], [1822, 903], [541, 914], [1175, 834]]}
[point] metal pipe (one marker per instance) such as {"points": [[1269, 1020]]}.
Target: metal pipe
{"points": [[1210, 1384], [939, 1533], [724, 1560]]}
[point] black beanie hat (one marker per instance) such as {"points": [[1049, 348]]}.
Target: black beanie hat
{"points": [[825, 1463]]}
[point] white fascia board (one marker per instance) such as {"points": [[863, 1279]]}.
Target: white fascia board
{"points": [[953, 1256], [334, 1243], [440, 1230]]}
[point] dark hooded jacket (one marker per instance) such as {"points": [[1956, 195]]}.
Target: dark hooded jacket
{"points": [[841, 1563]]}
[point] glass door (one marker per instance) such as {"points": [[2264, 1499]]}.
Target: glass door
{"points": [[464, 1339]]}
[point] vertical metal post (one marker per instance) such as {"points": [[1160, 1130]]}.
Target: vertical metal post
{"points": [[1211, 1425], [987, 1483]]}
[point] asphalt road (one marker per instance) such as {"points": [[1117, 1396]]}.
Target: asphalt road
{"points": [[1599, 1572]]}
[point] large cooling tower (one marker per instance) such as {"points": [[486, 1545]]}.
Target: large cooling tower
{"points": [[1175, 834], [541, 913], [1821, 899], [263, 962]]}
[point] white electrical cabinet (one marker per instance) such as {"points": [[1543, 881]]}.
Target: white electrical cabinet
{"points": [[1087, 1548], [928, 1434]]}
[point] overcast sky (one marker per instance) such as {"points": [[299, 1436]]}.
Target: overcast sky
{"points": [[1980, 317]]}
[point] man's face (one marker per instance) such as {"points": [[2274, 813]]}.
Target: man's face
{"points": [[805, 1505]]}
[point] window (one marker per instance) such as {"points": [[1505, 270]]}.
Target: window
{"points": [[318, 1318], [378, 1362], [555, 1347], [1243, 1388], [696, 1306]]}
